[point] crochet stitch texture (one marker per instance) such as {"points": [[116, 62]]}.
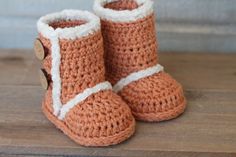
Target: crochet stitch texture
{"points": [[131, 46], [103, 118]]}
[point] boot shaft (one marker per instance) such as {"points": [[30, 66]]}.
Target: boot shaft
{"points": [[129, 45], [81, 67], [73, 46]]}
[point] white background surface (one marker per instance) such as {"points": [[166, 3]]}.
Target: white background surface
{"points": [[183, 25]]}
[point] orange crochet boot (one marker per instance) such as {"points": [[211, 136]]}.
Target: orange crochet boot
{"points": [[78, 100], [128, 28]]}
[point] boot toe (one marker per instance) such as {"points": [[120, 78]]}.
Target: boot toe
{"points": [[155, 98], [101, 120]]}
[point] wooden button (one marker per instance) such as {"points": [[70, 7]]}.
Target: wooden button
{"points": [[43, 79], [39, 49]]}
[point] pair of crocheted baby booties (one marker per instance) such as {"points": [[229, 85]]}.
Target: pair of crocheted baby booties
{"points": [[80, 50]]}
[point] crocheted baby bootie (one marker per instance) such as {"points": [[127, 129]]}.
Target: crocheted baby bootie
{"points": [[128, 28], [78, 100]]}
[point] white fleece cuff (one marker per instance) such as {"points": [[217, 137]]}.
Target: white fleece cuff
{"points": [[92, 24], [145, 8]]}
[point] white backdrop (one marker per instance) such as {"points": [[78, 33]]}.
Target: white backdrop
{"points": [[183, 25]]}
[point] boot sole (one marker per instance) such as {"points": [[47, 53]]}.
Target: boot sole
{"points": [[161, 116]]}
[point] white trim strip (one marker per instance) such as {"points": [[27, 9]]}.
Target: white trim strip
{"points": [[145, 8], [55, 71], [136, 76], [82, 96], [71, 33]]}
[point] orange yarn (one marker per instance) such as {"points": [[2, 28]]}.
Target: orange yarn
{"points": [[103, 118], [131, 47], [122, 5]]}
